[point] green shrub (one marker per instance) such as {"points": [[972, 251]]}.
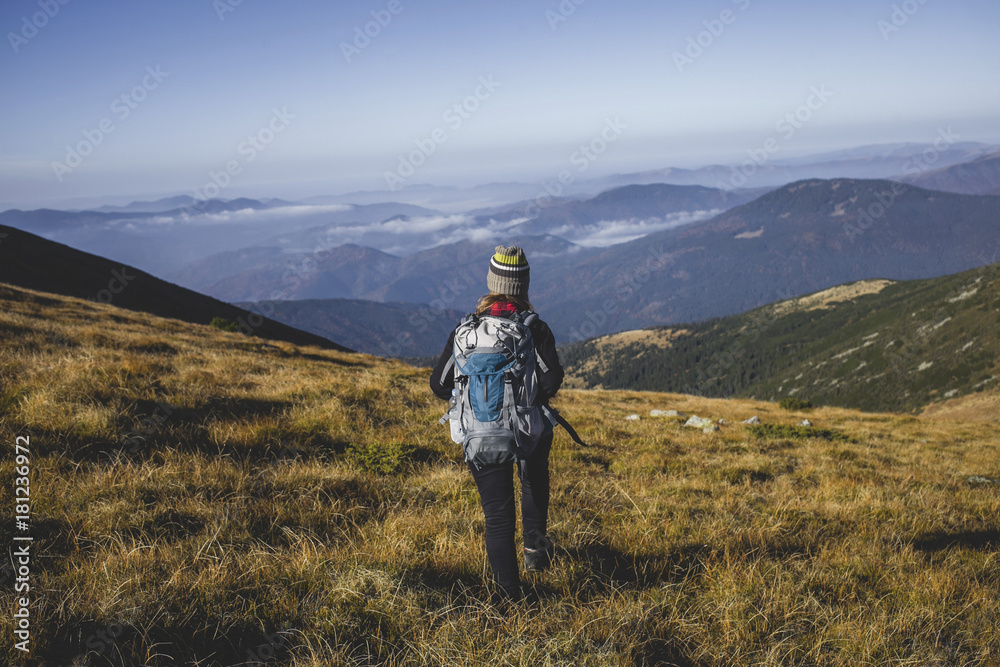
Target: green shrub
{"points": [[775, 431], [379, 458], [223, 324], [792, 404]]}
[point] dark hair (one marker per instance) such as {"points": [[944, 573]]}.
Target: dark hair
{"points": [[486, 302]]}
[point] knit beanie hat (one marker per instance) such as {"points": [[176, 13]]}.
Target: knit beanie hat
{"points": [[509, 273]]}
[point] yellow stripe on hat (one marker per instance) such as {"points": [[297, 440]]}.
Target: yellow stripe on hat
{"points": [[510, 260]]}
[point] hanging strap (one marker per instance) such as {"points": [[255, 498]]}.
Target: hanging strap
{"points": [[556, 418]]}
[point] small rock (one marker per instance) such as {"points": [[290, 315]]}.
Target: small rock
{"points": [[698, 422], [710, 429], [632, 418], [665, 413], [753, 420], [722, 422], [976, 479], [805, 422]]}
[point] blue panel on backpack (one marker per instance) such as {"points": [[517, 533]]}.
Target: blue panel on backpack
{"points": [[486, 396], [486, 384]]}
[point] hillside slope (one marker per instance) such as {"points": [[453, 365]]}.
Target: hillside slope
{"points": [[30, 261], [875, 345], [200, 498]]}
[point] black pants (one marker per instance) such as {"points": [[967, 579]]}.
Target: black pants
{"points": [[496, 494]]}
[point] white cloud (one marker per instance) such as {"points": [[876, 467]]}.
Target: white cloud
{"points": [[611, 232]]}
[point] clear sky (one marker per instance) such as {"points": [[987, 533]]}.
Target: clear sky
{"points": [[549, 75]]}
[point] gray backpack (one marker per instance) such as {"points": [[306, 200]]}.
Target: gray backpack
{"points": [[494, 411]]}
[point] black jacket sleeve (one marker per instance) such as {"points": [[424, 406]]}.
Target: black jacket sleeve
{"points": [[442, 383], [551, 379]]}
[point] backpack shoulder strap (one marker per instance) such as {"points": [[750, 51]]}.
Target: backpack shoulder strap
{"points": [[527, 318], [448, 366]]}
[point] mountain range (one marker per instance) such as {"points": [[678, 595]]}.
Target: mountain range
{"points": [[791, 241], [630, 257]]}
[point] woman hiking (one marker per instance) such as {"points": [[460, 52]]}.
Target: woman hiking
{"points": [[507, 282]]}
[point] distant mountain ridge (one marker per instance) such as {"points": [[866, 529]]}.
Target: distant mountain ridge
{"points": [[877, 161], [976, 177], [874, 345]]}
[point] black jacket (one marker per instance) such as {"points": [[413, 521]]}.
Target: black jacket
{"points": [[545, 345]]}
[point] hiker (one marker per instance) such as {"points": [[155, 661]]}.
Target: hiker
{"points": [[507, 281]]}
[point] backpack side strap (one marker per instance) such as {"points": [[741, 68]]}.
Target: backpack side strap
{"points": [[542, 366]]}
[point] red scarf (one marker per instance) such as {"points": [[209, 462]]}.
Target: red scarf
{"points": [[503, 309]]}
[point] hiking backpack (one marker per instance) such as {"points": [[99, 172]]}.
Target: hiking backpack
{"points": [[494, 410]]}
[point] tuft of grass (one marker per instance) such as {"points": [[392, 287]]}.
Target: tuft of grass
{"points": [[222, 324], [380, 458], [792, 404]]}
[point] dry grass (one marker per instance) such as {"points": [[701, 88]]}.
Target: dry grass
{"points": [[196, 496], [827, 298]]}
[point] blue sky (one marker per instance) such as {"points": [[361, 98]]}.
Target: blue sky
{"points": [[558, 71]]}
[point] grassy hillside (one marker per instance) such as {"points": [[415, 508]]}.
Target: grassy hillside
{"points": [[34, 262], [205, 498], [873, 345]]}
